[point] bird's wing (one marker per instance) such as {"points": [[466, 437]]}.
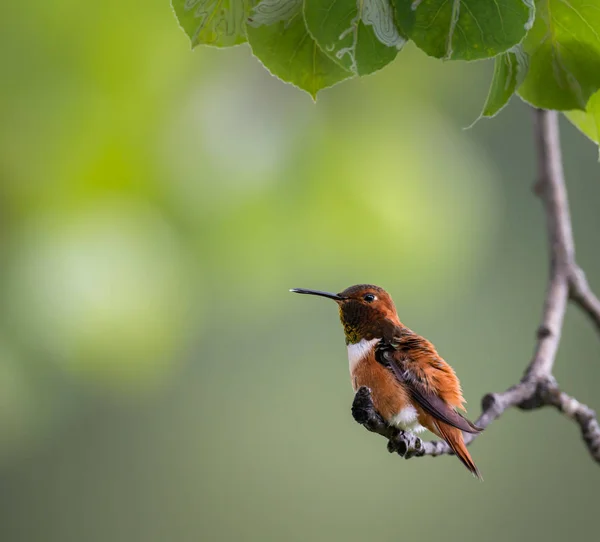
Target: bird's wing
{"points": [[415, 362]]}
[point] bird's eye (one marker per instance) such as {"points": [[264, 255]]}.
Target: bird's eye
{"points": [[369, 298]]}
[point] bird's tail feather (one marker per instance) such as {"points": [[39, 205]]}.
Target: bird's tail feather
{"points": [[455, 440]]}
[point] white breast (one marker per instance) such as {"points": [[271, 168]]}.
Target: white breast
{"points": [[358, 351], [406, 420]]}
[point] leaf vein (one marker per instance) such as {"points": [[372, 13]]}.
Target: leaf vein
{"points": [[476, 21], [583, 19]]}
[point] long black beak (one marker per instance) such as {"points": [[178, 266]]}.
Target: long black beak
{"points": [[335, 297]]}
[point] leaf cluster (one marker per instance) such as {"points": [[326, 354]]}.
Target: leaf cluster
{"points": [[546, 51]]}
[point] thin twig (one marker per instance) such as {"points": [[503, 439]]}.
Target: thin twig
{"points": [[537, 388], [582, 295]]}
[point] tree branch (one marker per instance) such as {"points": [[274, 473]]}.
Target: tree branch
{"points": [[581, 294], [537, 388]]}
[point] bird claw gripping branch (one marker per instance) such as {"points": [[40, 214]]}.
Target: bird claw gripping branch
{"points": [[403, 443]]}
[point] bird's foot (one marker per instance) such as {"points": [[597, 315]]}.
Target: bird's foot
{"points": [[405, 444]]}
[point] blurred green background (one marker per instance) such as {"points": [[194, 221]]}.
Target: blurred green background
{"points": [[157, 380]]}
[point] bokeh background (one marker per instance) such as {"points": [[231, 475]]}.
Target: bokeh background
{"points": [[157, 380]]}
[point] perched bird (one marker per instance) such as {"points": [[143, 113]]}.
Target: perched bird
{"points": [[412, 387]]}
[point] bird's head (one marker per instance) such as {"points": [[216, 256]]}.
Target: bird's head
{"points": [[366, 311]]}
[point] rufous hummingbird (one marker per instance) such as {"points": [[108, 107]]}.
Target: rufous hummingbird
{"points": [[412, 387]]}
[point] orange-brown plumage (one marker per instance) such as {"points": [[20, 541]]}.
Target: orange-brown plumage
{"points": [[390, 397], [411, 385]]}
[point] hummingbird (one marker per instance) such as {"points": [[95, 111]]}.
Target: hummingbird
{"points": [[411, 385]]}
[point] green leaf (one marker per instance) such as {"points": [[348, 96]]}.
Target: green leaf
{"points": [[361, 35], [212, 22], [510, 69], [588, 121], [564, 51], [464, 29], [279, 38]]}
